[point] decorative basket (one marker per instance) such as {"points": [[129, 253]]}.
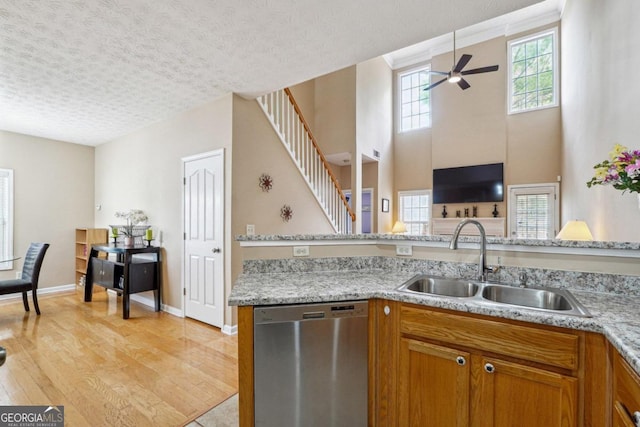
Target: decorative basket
{"points": [[137, 232]]}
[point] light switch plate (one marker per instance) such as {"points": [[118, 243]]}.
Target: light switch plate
{"points": [[301, 251], [404, 250], [251, 229]]}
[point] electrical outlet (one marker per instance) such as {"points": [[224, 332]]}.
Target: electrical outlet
{"points": [[251, 229], [404, 250], [301, 251], [18, 275]]}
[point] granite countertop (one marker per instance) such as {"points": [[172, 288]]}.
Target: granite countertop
{"points": [[614, 315]]}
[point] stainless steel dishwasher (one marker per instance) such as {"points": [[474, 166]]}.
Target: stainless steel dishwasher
{"points": [[310, 364]]}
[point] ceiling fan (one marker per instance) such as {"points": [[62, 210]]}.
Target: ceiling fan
{"points": [[456, 73]]}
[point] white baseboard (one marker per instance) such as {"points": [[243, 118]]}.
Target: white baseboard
{"points": [[172, 310], [150, 302], [230, 329], [142, 299], [42, 291]]}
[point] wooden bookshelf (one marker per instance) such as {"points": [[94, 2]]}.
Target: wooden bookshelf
{"points": [[85, 237]]}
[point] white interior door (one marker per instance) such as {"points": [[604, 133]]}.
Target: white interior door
{"points": [[203, 238]]}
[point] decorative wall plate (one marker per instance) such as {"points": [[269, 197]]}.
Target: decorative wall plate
{"points": [[266, 182], [286, 213]]}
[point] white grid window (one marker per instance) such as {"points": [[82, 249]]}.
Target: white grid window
{"points": [[6, 217], [533, 72], [415, 210], [533, 211], [414, 101]]}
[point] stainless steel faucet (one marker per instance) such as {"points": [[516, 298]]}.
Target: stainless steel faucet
{"points": [[482, 262]]}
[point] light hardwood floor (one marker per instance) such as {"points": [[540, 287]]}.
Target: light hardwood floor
{"points": [[153, 369]]}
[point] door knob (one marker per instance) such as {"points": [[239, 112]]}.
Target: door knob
{"points": [[215, 250]]}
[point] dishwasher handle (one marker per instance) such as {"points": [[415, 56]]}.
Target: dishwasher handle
{"points": [[313, 315]]}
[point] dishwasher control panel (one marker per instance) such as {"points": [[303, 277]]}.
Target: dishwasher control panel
{"points": [[347, 310], [279, 313]]}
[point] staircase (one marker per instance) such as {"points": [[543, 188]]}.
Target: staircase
{"points": [[287, 120]]}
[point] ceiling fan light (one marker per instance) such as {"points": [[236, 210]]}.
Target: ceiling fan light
{"points": [[455, 78]]}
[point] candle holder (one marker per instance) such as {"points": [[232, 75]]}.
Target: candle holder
{"points": [[115, 240], [148, 242]]}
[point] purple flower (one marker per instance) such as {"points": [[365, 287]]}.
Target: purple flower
{"points": [[625, 157], [633, 169]]}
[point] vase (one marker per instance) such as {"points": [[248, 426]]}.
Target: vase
{"points": [[128, 241]]}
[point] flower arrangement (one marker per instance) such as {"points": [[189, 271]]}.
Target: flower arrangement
{"points": [[622, 170], [133, 217]]}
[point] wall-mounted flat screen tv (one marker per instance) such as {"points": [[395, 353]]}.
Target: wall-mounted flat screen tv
{"points": [[469, 184]]}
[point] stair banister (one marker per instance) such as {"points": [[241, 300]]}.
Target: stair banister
{"points": [[320, 154], [294, 132]]}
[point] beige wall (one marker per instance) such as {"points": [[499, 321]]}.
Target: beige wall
{"points": [[143, 170], [305, 96], [601, 40], [472, 127], [469, 126], [374, 119], [412, 160], [335, 111], [257, 150], [53, 194]]}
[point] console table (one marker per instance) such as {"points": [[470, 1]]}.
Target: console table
{"points": [[126, 275]]}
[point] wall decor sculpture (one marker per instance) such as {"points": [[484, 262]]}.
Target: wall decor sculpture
{"points": [[266, 182], [286, 213]]}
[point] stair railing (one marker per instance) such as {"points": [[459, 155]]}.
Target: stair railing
{"points": [[289, 123]]}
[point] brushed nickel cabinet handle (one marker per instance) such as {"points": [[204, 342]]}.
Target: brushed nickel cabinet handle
{"points": [[489, 368], [461, 361]]}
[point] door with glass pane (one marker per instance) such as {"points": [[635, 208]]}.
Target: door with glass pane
{"points": [[533, 211]]}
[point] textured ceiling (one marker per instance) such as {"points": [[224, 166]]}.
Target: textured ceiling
{"points": [[88, 71]]}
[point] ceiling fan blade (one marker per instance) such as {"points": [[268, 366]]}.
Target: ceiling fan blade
{"points": [[463, 84], [442, 73], [464, 60], [435, 84], [480, 70]]}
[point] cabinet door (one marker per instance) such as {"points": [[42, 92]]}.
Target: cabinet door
{"points": [[433, 385], [107, 273], [621, 418], [626, 393], [508, 394]]}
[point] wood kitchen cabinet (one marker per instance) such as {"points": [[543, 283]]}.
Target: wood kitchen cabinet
{"points": [[433, 385], [465, 370], [626, 394], [512, 394]]}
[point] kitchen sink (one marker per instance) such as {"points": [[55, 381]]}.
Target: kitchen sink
{"points": [[537, 298], [552, 300], [442, 286]]}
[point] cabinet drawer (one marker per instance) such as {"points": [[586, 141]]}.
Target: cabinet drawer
{"points": [[523, 342], [142, 276], [626, 389]]}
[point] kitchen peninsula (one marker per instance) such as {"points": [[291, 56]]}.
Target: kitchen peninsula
{"points": [[345, 268]]}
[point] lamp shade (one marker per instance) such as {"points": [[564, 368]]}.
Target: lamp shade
{"points": [[399, 227], [575, 230]]}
